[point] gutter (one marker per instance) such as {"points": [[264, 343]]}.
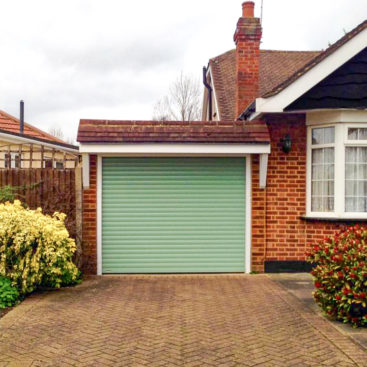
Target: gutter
{"points": [[26, 139]]}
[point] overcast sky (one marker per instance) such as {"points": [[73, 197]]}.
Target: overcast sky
{"points": [[113, 59]]}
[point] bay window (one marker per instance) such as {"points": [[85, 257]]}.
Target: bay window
{"points": [[337, 171]]}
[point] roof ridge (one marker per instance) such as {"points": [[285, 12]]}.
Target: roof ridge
{"points": [[267, 50], [292, 51]]}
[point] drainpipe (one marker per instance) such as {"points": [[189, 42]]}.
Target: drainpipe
{"points": [[210, 91], [21, 118]]}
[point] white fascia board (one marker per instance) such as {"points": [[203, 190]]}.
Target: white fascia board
{"points": [[319, 72], [319, 117], [214, 92], [176, 149], [24, 140]]}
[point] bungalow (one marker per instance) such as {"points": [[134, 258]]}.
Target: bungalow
{"points": [[278, 162], [24, 146]]}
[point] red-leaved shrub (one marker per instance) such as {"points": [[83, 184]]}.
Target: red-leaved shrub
{"points": [[340, 275]]}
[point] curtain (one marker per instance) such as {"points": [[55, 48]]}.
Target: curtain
{"points": [[322, 180]]}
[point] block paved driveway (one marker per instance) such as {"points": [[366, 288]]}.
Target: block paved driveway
{"points": [[216, 320]]}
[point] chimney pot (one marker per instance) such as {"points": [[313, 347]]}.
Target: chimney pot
{"points": [[248, 9]]}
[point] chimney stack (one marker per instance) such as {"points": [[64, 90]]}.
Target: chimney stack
{"points": [[21, 117], [247, 38]]}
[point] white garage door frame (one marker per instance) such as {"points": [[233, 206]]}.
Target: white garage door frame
{"points": [[248, 193]]}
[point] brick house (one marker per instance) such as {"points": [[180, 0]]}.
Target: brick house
{"points": [[278, 162]]}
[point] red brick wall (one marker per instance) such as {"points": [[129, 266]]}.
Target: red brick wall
{"points": [[278, 231], [90, 221], [258, 219]]}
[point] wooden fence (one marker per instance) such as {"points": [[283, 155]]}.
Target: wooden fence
{"points": [[52, 190]]}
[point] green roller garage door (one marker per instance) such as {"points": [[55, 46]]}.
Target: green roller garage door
{"points": [[173, 215]]}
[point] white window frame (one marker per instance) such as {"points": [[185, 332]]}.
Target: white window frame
{"points": [[341, 142]]}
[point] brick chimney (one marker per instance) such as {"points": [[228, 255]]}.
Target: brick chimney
{"points": [[247, 38]]}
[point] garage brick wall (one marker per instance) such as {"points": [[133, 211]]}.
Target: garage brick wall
{"points": [[90, 221]]}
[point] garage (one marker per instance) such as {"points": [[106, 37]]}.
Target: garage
{"points": [[173, 215]]}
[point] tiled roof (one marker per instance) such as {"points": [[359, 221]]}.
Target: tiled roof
{"points": [[275, 68], [11, 124], [103, 131]]}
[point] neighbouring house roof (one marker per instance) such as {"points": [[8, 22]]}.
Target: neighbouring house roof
{"points": [[11, 124], [275, 68], [104, 131]]}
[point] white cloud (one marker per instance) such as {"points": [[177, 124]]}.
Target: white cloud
{"points": [[74, 59]]}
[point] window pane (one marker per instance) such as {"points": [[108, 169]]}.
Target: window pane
{"points": [[357, 205], [351, 187], [350, 171], [325, 135], [330, 204], [59, 165], [329, 172], [352, 134], [329, 135], [322, 189], [317, 136], [350, 204], [362, 155], [357, 133], [17, 161], [317, 156], [351, 155], [318, 171], [362, 134], [329, 188], [356, 179], [362, 188], [329, 155], [362, 171]]}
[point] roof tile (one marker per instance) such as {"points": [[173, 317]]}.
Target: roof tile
{"points": [[102, 131], [275, 68], [11, 124]]}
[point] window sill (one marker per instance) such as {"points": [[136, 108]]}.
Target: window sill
{"points": [[333, 219]]}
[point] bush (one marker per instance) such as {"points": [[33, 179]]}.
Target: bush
{"points": [[9, 294], [35, 249], [340, 275], [7, 193]]}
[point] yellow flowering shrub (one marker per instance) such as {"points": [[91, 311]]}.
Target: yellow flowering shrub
{"points": [[35, 249]]}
